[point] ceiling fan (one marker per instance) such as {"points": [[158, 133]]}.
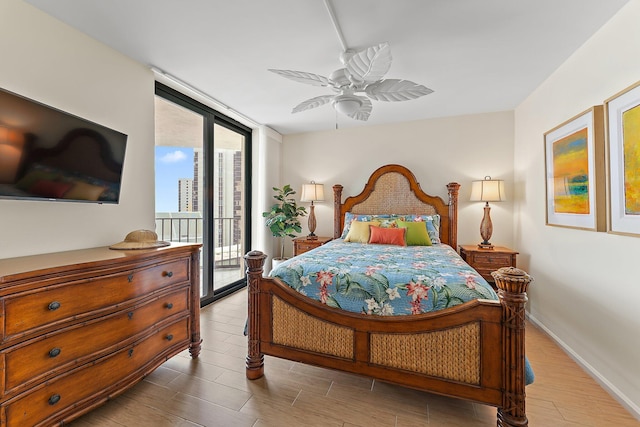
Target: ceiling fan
{"points": [[362, 74]]}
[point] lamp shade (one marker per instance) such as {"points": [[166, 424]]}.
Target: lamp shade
{"points": [[312, 192], [488, 190]]}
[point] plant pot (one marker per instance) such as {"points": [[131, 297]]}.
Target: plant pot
{"points": [[277, 261]]}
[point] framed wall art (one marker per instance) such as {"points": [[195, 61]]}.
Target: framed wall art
{"points": [[623, 147], [575, 172]]}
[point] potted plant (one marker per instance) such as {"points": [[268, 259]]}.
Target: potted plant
{"points": [[282, 219]]}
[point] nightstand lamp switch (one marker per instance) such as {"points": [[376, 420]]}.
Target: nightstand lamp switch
{"points": [[487, 190], [312, 192]]}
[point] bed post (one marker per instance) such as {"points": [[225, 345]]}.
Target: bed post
{"points": [[512, 286], [255, 358], [337, 211], [453, 188]]}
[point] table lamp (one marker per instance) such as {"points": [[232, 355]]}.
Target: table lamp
{"points": [[312, 192], [487, 190]]}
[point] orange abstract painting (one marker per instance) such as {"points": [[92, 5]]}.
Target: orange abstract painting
{"points": [[571, 173], [631, 148]]}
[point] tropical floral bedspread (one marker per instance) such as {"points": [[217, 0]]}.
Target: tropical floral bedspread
{"points": [[384, 279]]}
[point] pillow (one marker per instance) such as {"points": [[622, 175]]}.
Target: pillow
{"points": [[52, 189], [388, 236], [349, 218], [417, 234], [433, 228], [83, 191], [359, 231], [432, 221]]}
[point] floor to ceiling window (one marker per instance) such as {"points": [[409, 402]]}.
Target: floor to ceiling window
{"points": [[202, 175]]}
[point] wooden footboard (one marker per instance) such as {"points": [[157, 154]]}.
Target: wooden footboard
{"points": [[474, 351]]}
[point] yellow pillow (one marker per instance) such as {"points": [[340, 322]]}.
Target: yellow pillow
{"points": [[359, 231]]}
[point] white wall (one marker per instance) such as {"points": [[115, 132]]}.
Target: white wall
{"points": [[52, 63], [586, 289], [437, 151], [265, 175]]}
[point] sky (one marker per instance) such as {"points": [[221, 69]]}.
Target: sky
{"points": [[172, 164]]}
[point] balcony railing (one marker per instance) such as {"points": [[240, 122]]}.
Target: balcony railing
{"points": [[226, 234]]}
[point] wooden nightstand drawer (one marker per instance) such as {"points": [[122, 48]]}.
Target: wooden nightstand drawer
{"points": [[304, 244], [304, 247], [484, 261], [490, 259]]}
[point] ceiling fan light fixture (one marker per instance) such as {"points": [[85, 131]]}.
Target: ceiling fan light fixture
{"points": [[347, 104]]}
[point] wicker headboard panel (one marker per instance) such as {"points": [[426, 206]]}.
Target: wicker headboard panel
{"points": [[393, 189]]}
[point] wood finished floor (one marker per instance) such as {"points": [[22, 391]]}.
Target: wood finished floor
{"points": [[213, 391]]}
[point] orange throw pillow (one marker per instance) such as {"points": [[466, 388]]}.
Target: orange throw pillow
{"points": [[387, 236]]}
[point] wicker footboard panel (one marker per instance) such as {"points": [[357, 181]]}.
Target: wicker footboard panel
{"points": [[295, 328], [453, 353]]}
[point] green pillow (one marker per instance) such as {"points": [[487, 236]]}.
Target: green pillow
{"points": [[416, 233]]}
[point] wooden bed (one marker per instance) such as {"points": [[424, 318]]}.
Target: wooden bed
{"points": [[487, 336]]}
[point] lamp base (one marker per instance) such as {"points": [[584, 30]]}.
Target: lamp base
{"points": [[312, 237], [486, 246], [486, 228]]}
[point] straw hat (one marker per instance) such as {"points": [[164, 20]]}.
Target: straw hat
{"points": [[140, 239]]}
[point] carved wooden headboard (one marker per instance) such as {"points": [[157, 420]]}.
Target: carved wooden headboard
{"points": [[393, 189]]}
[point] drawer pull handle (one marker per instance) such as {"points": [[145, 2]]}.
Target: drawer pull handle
{"points": [[130, 352], [168, 273], [54, 352], [130, 277], [54, 305], [54, 399], [169, 305], [130, 315], [169, 337]]}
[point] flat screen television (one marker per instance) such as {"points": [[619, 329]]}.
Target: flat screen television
{"points": [[47, 154]]}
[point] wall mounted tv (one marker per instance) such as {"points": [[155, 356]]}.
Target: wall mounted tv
{"points": [[47, 154]]}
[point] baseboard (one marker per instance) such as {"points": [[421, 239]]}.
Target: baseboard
{"points": [[633, 408]]}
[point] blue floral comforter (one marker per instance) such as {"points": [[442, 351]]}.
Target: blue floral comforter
{"points": [[384, 279]]}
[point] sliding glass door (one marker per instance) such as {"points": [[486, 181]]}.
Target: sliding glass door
{"points": [[202, 186]]}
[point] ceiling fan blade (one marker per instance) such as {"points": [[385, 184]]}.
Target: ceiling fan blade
{"points": [[303, 77], [312, 103], [370, 64], [396, 90], [364, 111]]}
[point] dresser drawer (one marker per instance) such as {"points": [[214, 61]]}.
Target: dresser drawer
{"points": [[61, 394], [29, 311], [34, 359]]}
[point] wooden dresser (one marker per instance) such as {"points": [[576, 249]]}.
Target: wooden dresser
{"points": [[80, 327]]}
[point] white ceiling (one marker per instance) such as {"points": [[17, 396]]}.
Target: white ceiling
{"points": [[477, 55]]}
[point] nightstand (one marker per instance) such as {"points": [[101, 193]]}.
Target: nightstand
{"points": [[484, 261], [304, 244]]}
